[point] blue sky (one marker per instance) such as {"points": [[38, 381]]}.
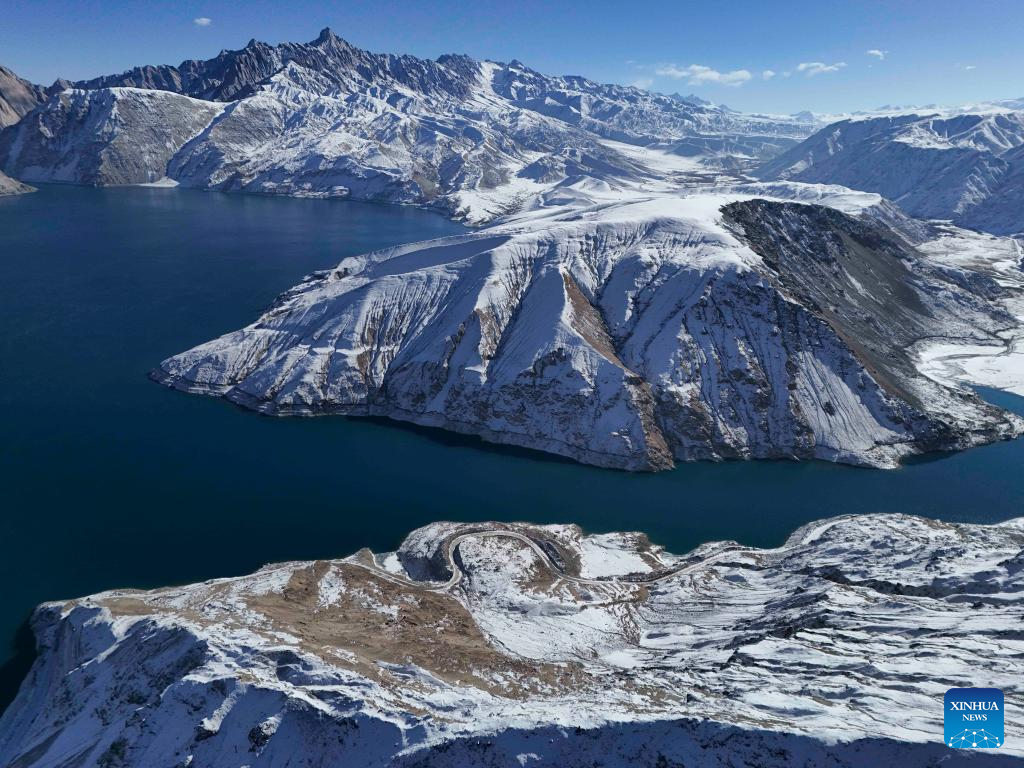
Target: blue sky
{"points": [[778, 56]]}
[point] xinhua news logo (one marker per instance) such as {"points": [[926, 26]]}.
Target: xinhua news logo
{"points": [[974, 718]]}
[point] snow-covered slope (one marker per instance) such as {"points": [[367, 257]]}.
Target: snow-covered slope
{"points": [[114, 136], [328, 119], [634, 333], [968, 167], [497, 645], [289, 139], [1000, 362]]}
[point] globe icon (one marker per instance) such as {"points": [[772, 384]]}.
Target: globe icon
{"points": [[975, 738]]}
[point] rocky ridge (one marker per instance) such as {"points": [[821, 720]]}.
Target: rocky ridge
{"points": [[106, 137], [494, 644], [18, 97]]}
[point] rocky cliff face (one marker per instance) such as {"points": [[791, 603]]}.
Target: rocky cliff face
{"points": [[500, 644], [968, 168], [634, 334], [18, 97], [116, 136], [233, 75]]}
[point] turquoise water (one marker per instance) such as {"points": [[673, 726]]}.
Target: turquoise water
{"points": [[109, 480]]}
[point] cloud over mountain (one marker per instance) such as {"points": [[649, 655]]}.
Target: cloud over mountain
{"points": [[698, 74]]}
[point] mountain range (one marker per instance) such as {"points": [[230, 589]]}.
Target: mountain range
{"points": [[631, 300], [328, 119], [968, 168], [473, 138]]}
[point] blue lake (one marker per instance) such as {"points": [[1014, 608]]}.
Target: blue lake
{"points": [[109, 480]]}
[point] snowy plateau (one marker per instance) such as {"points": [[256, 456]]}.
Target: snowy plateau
{"points": [[644, 279], [511, 644]]}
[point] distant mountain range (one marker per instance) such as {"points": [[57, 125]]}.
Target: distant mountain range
{"points": [[896, 110], [967, 167], [475, 138]]}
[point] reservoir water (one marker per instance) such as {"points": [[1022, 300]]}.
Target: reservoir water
{"points": [[109, 480]]}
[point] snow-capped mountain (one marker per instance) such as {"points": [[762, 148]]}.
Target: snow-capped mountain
{"points": [[967, 167], [619, 312], [497, 645], [619, 112], [325, 118], [630, 300], [898, 110], [633, 333]]}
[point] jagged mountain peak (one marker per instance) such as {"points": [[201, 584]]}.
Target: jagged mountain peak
{"points": [[691, 99], [326, 118], [60, 84], [619, 112]]}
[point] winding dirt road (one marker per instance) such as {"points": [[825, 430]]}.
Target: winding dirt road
{"points": [[367, 561]]}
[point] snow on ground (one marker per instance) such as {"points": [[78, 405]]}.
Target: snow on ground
{"points": [[999, 367], [553, 327], [999, 364], [802, 650], [164, 183], [605, 555]]}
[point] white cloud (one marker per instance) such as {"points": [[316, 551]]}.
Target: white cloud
{"points": [[768, 74], [202, 21], [812, 68], [969, 67], [697, 74], [880, 55], [643, 82]]}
